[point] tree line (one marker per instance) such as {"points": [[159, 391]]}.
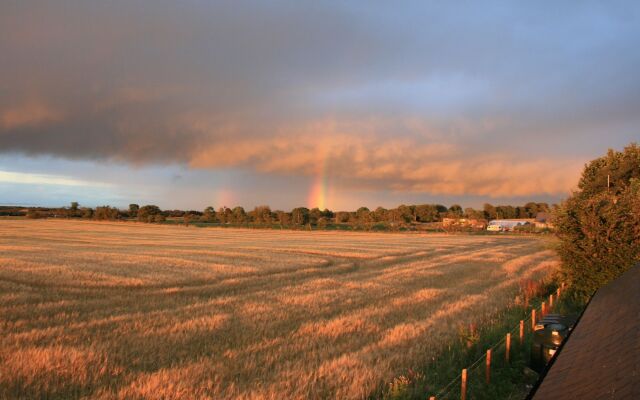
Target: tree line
{"points": [[363, 217]]}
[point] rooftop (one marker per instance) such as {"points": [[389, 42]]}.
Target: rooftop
{"points": [[601, 357]]}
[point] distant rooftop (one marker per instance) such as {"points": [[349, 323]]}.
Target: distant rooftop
{"points": [[601, 358]]}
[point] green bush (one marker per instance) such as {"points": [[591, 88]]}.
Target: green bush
{"points": [[599, 225]]}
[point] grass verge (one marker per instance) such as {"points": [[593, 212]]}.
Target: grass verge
{"points": [[511, 379]]}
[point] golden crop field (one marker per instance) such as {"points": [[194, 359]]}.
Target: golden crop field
{"points": [[125, 310]]}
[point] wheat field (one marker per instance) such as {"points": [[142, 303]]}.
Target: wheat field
{"points": [[124, 310]]}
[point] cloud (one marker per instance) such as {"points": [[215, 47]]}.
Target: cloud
{"points": [[400, 164], [488, 100], [32, 114], [25, 178]]}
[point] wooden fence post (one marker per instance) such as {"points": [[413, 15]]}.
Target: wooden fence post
{"points": [[521, 332], [558, 292], [533, 319], [488, 369], [432, 398], [550, 301], [542, 309], [463, 387], [508, 345]]}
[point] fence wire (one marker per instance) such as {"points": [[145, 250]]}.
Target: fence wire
{"points": [[445, 392]]}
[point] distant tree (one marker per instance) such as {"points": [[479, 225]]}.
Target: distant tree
{"points": [[326, 213], [300, 216], [159, 218], [473, 213], [87, 213], [220, 215], [455, 210], [543, 207], [441, 209], [489, 211], [224, 215], [238, 215], [314, 215], [599, 225], [405, 213], [283, 218], [364, 216], [394, 216], [505, 212], [426, 213], [380, 214], [262, 215], [133, 210], [322, 222], [72, 211], [342, 217], [147, 213], [353, 218], [209, 214], [106, 213], [531, 209], [186, 218], [619, 167]]}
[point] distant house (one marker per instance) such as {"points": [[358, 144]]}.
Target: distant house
{"points": [[498, 225]]}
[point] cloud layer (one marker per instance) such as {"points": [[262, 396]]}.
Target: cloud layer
{"points": [[485, 100]]}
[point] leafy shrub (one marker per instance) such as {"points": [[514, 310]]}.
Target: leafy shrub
{"points": [[599, 225]]}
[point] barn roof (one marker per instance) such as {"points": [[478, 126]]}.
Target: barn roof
{"points": [[601, 357]]}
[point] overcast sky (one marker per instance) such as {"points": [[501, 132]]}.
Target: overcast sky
{"points": [[340, 104]]}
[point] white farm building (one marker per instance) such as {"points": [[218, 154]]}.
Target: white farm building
{"points": [[498, 225]]}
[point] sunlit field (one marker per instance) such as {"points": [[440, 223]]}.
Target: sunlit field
{"points": [[125, 310]]}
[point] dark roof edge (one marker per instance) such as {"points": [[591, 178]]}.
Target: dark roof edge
{"points": [[557, 354], [543, 374]]}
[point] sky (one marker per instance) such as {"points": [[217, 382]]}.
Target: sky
{"points": [[338, 104]]}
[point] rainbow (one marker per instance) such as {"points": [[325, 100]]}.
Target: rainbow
{"points": [[319, 192], [223, 197]]}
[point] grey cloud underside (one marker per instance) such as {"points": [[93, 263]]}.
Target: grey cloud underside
{"points": [[180, 82]]}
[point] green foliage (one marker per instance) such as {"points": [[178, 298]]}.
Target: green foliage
{"points": [[261, 215], [209, 214], [405, 387], [599, 227], [238, 215], [87, 213], [621, 167], [147, 213], [133, 210], [106, 213], [300, 216], [426, 213], [509, 380], [421, 217]]}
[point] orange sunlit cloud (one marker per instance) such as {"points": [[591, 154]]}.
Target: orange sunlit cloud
{"points": [[317, 105], [29, 114]]}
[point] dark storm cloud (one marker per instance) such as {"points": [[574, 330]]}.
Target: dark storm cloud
{"points": [[408, 96]]}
